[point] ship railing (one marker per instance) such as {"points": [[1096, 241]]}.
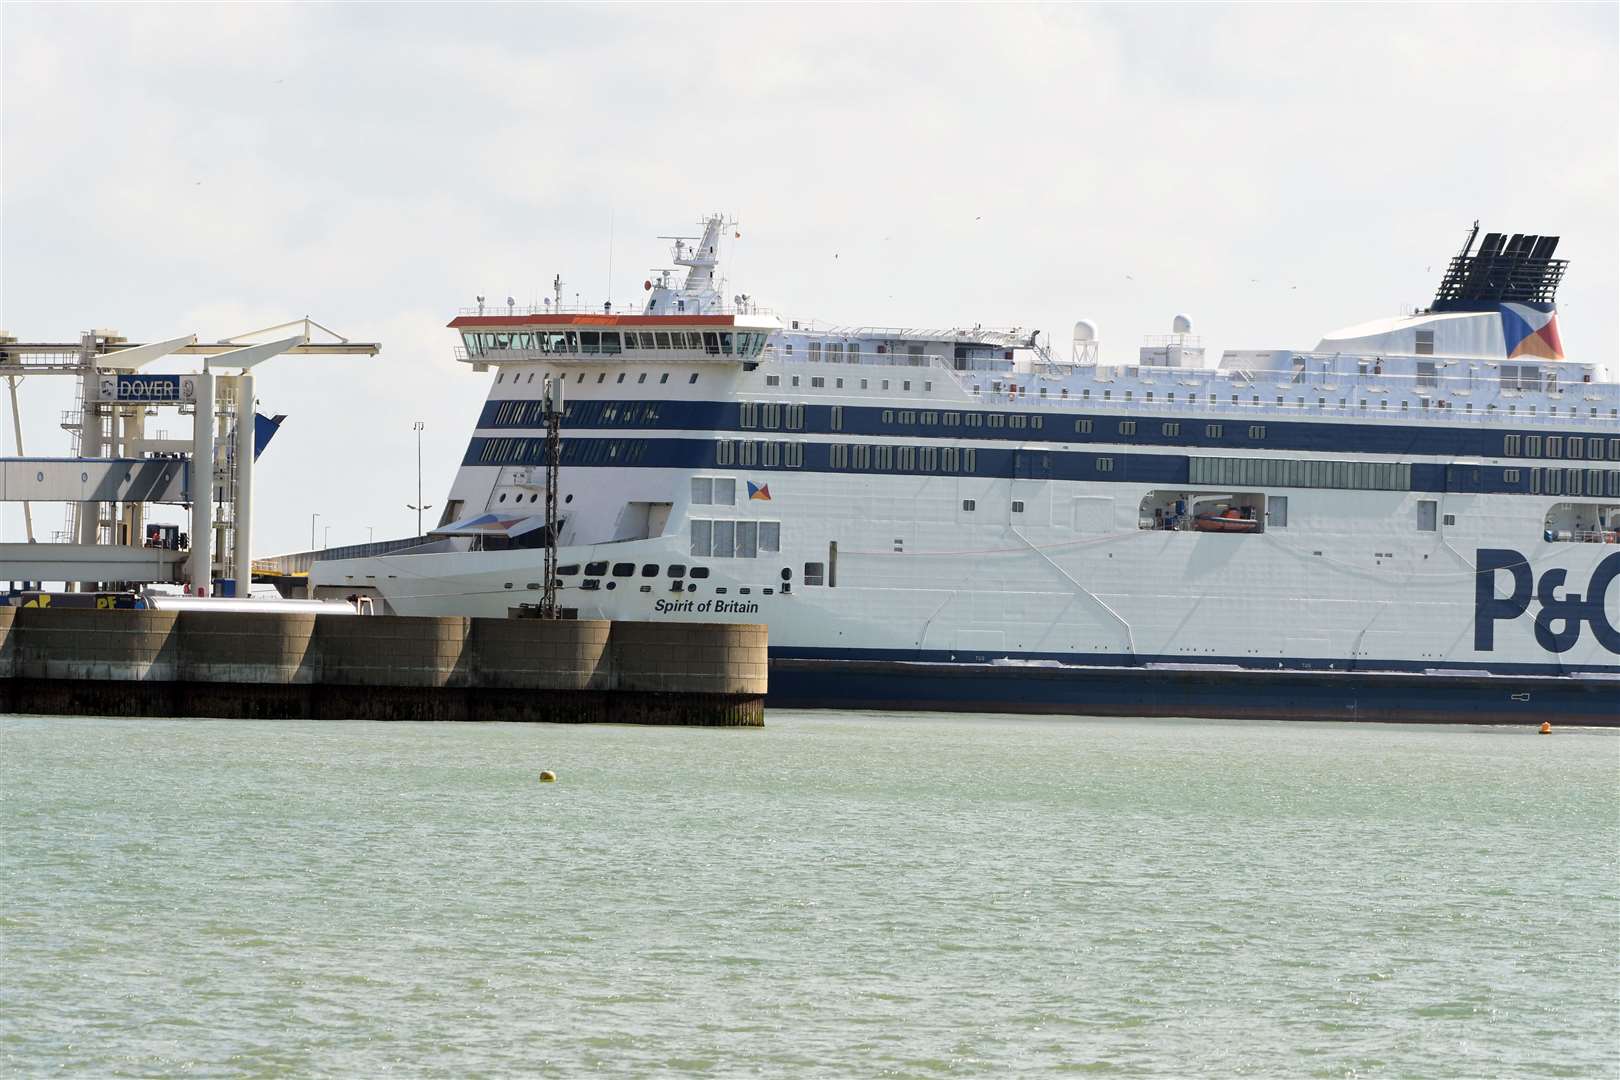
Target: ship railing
{"points": [[1198, 404], [866, 358], [651, 356], [524, 310]]}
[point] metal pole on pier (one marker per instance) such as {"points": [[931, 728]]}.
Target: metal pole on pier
{"points": [[553, 404], [201, 563], [418, 505], [242, 557]]}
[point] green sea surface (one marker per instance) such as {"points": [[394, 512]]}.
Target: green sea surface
{"points": [[838, 894]]}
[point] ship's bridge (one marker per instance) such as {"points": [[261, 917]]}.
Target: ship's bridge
{"points": [[554, 337]]}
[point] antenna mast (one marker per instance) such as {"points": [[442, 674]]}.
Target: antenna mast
{"points": [[553, 410]]}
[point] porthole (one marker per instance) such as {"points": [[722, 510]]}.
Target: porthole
{"points": [[502, 498], [568, 498]]}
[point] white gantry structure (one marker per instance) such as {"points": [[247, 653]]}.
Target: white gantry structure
{"points": [[117, 466]]}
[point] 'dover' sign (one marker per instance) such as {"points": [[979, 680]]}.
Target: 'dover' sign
{"points": [[149, 388]]}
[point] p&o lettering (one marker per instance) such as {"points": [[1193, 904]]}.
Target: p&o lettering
{"points": [[1558, 622]]}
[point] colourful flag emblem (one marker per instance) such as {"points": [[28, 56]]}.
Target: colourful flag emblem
{"points": [[759, 491]]}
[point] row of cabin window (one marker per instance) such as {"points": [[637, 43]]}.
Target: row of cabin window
{"points": [[1596, 482], [613, 343], [758, 452], [601, 377], [1573, 447], [819, 381], [512, 450], [735, 539], [864, 456], [1171, 428], [582, 413], [834, 352], [1299, 402], [1279, 472], [627, 569], [772, 415]]}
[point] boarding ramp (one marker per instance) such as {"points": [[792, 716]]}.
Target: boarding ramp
{"points": [[77, 480], [90, 563]]}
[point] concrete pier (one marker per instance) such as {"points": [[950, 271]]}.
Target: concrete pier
{"points": [[279, 665]]}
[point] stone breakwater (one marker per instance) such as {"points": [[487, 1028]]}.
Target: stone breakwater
{"points": [[278, 665]]}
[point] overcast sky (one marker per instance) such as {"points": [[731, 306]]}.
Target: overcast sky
{"points": [[1272, 171]]}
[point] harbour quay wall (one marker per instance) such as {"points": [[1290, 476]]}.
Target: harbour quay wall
{"points": [[277, 665]]}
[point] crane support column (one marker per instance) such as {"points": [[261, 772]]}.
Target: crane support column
{"points": [[202, 488], [245, 423]]}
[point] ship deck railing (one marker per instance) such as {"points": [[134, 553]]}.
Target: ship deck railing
{"points": [[1200, 406], [506, 311]]}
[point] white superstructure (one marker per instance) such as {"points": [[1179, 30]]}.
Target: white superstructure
{"points": [[1439, 492]]}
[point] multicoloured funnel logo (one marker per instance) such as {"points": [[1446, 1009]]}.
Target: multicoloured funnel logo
{"points": [[1528, 332]]}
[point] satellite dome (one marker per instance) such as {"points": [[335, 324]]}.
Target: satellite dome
{"points": [[1085, 330], [1181, 324]]}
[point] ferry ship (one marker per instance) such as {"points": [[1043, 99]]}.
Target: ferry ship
{"points": [[1414, 520]]}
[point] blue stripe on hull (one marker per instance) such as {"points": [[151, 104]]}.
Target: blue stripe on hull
{"points": [[1157, 692], [1421, 434]]}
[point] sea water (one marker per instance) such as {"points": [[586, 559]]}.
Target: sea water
{"points": [[838, 894]]}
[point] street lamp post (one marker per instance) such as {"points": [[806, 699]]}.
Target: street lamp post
{"points": [[418, 506], [312, 518]]}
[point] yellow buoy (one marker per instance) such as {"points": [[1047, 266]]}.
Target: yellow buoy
{"points": [[1546, 728], [548, 777]]}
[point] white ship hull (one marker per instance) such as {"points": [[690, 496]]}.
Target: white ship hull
{"points": [[1448, 522]]}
